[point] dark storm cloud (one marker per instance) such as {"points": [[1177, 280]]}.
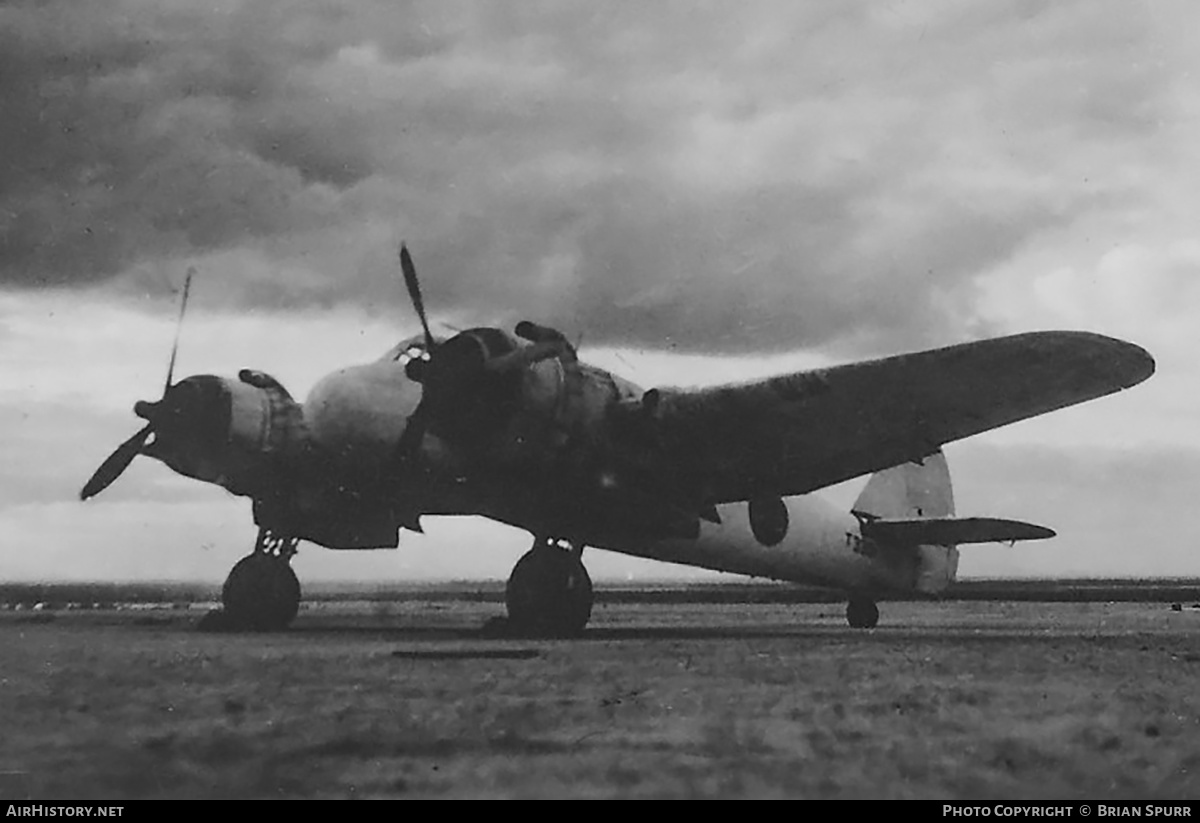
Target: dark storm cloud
{"points": [[691, 175]]}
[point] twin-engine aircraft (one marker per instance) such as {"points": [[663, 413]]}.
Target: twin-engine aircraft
{"points": [[515, 427]]}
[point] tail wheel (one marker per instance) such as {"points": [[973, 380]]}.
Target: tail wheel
{"points": [[549, 593], [261, 593], [862, 613]]}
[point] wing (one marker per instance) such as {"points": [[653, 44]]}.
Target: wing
{"points": [[800, 432]]}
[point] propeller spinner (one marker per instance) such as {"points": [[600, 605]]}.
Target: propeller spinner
{"points": [[116, 463]]}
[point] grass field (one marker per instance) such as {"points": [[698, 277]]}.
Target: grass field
{"points": [[406, 699]]}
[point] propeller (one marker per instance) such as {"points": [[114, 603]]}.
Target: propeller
{"points": [[187, 286], [117, 462], [414, 293], [469, 374]]}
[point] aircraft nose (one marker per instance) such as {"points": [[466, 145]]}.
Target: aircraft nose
{"points": [[197, 408]]}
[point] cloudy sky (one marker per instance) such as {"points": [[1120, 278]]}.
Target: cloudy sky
{"points": [[705, 191]]}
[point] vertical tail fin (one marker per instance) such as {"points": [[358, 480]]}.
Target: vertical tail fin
{"points": [[909, 490], [915, 490]]}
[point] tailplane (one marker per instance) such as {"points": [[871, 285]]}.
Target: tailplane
{"points": [[950, 531], [910, 507]]}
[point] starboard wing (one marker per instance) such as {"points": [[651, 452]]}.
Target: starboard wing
{"points": [[800, 432]]}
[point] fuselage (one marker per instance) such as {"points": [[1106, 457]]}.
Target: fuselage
{"points": [[361, 412], [823, 545]]}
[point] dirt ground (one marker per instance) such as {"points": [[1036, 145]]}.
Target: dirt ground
{"points": [[944, 700]]}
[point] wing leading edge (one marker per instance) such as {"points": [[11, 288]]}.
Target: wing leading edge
{"points": [[801, 432]]}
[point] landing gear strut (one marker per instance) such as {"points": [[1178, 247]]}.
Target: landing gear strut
{"points": [[261, 592], [862, 613], [549, 593]]}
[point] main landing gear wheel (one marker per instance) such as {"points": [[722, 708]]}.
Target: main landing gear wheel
{"points": [[862, 613], [549, 593], [261, 592]]}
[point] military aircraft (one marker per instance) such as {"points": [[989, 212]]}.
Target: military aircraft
{"points": [[515, 427]]}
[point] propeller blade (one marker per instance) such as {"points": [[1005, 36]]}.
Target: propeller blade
{"points": [[414, 293], [116, 463], [187, 284], [414, 432]]}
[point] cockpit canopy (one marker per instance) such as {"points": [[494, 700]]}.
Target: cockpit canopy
{"points": [[410, 348], [493, 342]]}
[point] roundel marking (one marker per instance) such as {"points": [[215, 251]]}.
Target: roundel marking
{"points": [[768, 520]]}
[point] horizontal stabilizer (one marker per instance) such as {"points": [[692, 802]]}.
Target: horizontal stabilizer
{"points": [[949, 531]]}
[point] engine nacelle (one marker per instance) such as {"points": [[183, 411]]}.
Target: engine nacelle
{"points": [[358, 414]]}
